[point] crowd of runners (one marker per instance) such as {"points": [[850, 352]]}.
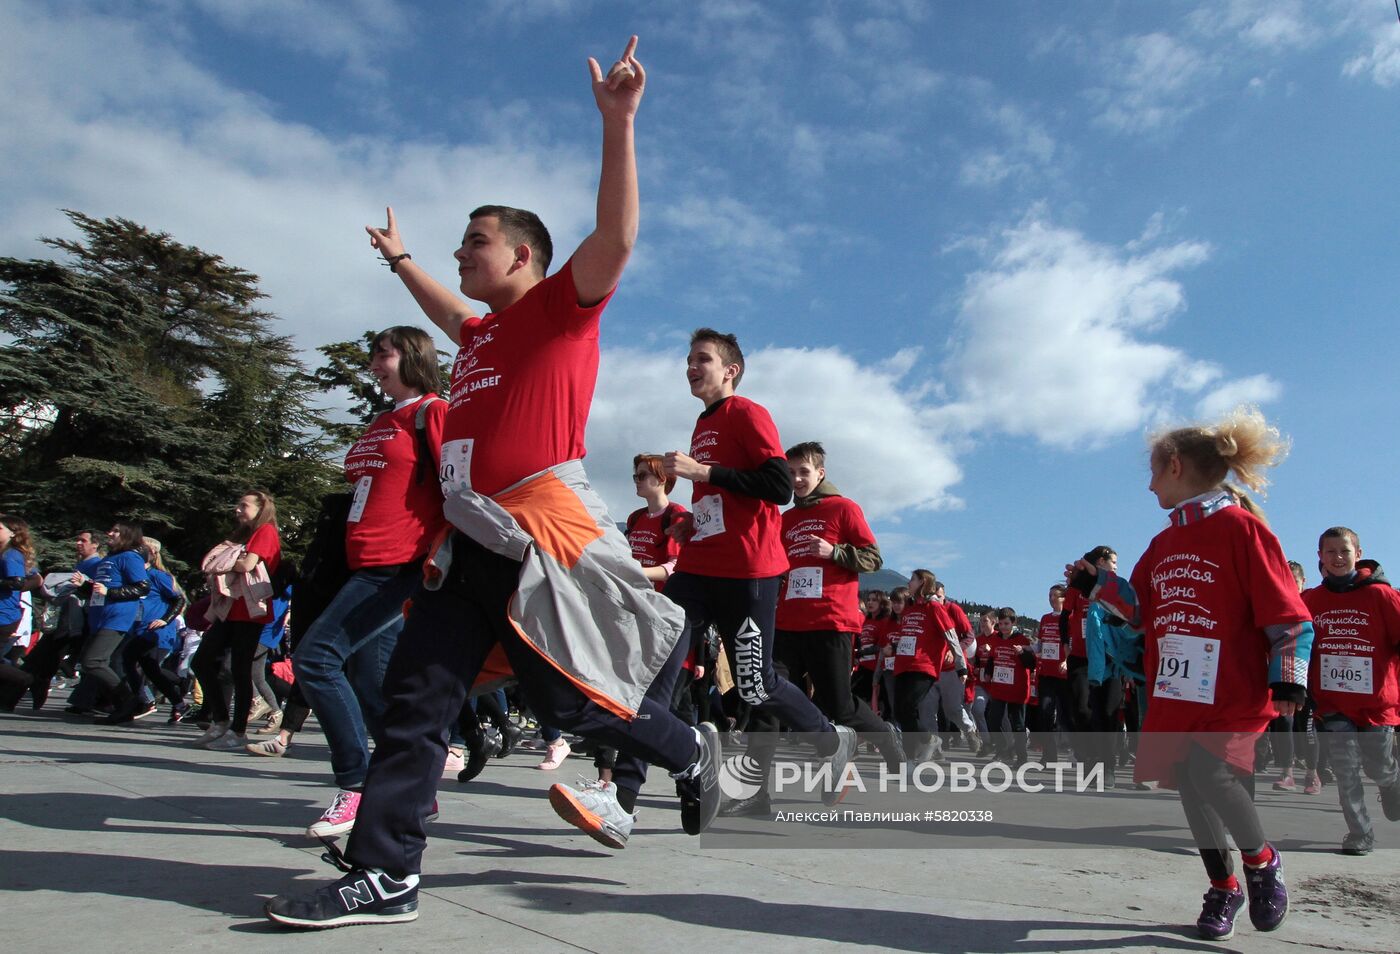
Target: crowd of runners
{"points": [[470, 586]]}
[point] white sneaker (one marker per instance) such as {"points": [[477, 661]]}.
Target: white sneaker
{"points": [[594, 809], [216, 730], [228, 742]]}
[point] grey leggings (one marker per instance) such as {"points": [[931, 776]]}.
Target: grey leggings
{"points": [[1216, 799], [260, 686]]}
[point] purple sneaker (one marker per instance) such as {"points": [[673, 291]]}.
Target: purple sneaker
{"points": [[1217, 920], [1268, 895]]}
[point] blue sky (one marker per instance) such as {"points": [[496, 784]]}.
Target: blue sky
{"points": [[980, 250]]}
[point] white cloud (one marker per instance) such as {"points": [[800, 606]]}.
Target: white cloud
{"points": [[1274, 25], [642, 404], [1152, 82], [1051, 338], [354, 32], [1256, 389], [151, 136], [1381, 63]]}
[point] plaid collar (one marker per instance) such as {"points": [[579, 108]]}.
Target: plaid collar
{"points": [[1198, 508]]}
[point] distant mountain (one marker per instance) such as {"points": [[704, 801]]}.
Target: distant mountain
{"points": [[883, 579]]}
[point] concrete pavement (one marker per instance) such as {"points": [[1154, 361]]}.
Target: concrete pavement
{"points": [[127, 838]]}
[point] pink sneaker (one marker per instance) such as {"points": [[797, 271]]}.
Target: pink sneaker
{"points": [[1285, 783], [339, 818], [557, 753], [1314, 785], [454, 763]]}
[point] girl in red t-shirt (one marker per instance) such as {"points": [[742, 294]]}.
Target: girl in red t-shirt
{"points": [[924, 635], [657, 551], [255, 530], [1227, 646]]}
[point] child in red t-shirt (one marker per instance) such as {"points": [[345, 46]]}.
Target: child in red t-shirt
{"points": [[1227, 646], [1051, 670], [828, 545], [1006, 675], [733, 560], [924, 639], [1355, 678]]}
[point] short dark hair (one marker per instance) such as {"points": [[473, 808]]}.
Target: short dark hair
{"points": [[726, 345], [418, 368], [522, 227], [1006, 612], [1340, 533], [811, 451], [1058, 588]]}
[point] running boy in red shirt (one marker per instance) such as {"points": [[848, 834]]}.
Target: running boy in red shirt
{"points": [[533, 544], [1356, 655], [828, 546], [731, 566]]}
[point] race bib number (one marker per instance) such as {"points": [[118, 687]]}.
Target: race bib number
{"points": [[1346, 674], [805, 583], [357, 505], [1050, 650], [1003, 675], [98, 599], [1186, 668], [889, 663], [906, 645], [455, 471], [708, 517]]}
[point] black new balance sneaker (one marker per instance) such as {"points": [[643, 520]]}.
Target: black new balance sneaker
{"points": [[361, 897], [698, 786]]}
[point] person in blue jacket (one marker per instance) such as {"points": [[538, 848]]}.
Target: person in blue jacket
{"points": [[153, 638], [18, 574], [118, 583]]}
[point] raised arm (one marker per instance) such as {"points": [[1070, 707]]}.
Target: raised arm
{"points": [[444, 308], [601, 257]]}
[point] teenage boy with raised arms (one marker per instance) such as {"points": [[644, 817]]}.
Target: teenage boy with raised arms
{"points": [[532, 543]]}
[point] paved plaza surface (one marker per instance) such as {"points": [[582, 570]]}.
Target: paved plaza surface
{"points": [[131, 839]]}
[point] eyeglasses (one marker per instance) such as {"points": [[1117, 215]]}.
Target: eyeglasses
{"points": [[643, 475]]}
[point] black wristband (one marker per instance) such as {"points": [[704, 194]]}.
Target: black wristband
{"points": [[393, 261]]}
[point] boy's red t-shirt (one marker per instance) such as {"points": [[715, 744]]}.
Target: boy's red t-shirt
{"points": [[736, 536], [1356, 636], [1009, 680], [522, 385], [817, 594], [1050, 653], [394, 516]]}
